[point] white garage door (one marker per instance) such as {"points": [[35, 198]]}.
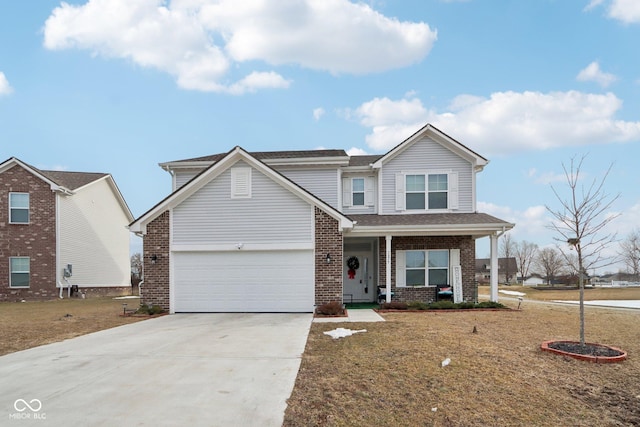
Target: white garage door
{"points": [[269, 281]]}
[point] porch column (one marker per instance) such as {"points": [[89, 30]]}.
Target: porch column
{"points": [[387, 247], [494, 268]]}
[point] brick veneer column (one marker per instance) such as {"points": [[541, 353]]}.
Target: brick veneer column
{"points": [[36, 240], [155, 289], [466, 244], [328, 241]]}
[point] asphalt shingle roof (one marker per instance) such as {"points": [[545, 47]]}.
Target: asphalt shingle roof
{"points": [[73, 180], [265, 155], [372, 220]]}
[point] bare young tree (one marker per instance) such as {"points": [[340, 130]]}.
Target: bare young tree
{"points": [[580, 222], [630, 253], [549, 262], [525, 253], [507, 251]]}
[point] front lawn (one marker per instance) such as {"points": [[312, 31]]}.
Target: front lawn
{"points": [[392, 374]]}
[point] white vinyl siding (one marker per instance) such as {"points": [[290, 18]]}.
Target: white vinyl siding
{"points": [[359, 194], [19, 272], [426, 155], [181, 177], [322, 183], [94, 237], [272, 214], [18, 208]]}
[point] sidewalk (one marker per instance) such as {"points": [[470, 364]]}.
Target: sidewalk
{"points": [[354, 315]]}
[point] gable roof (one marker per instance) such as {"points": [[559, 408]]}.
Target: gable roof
{"points": [[68, 183], [440, 137], [214, 170]]}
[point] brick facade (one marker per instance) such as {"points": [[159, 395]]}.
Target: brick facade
{"points": [[155, 289], [328, 275], [466, 244], [36, 240]]}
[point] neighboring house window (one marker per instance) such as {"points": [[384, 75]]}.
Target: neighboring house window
{"points": [[241, 183], [19, 272], [420, 191], [422, 268], [357, 191], [19, 208]]}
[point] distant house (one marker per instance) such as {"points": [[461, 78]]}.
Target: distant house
{"points": [[507, 270], [59, 229], [532, 280], [289, 230]]}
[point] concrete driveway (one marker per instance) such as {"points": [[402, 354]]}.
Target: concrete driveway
{"points": [[183, 369]]}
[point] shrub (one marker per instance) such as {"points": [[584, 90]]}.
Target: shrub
{"points": [[153, 309], [332, 308], [394, 305]]}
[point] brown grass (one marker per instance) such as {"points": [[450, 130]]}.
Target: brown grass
{"points": [[392, 374], [30, 324], [590, 294]]}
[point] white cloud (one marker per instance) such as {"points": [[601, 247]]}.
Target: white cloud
{"points": [[256, 80], [506, 122], [355, 151], [5, 87], [593, 73], [627, 11], [197, 41], [318, 113]]}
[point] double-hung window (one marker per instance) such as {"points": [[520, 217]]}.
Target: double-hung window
{"points": [[423, 267], [425, 191], [19, 272], [357, 192], [19, 208]]}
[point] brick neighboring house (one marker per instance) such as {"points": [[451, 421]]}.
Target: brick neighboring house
{"points": [[507, 270], [52, 219], [285, 231]]}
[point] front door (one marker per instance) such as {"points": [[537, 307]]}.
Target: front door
{"points": [[358, 277]]}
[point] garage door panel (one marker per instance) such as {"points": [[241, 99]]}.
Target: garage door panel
{"points": [[270, 281]]}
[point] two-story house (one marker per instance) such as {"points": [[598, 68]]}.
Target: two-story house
{"points": [[61, 229], [290, 230]]}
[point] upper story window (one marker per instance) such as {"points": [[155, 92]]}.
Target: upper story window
{"points": [[19, 272], [18, 208], [358, 192], [424, 191]]}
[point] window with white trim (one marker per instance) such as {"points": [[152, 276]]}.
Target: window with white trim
{"points": [[424, 191], [423, 268], [19, 272], [19, 208], [357, 192]]}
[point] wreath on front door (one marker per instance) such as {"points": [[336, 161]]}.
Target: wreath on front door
{"points": [[353, 264]]}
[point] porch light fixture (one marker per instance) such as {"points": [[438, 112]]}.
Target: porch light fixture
{"points": [[154, 258], [328, 258]]}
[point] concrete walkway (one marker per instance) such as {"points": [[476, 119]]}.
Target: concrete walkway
{"points": [[183, 369], [354, 315]]}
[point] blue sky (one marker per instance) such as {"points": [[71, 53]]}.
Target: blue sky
{"points": [[119, 86]]}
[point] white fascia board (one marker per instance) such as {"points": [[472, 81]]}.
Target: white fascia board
{"points": [[116, 192]]}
